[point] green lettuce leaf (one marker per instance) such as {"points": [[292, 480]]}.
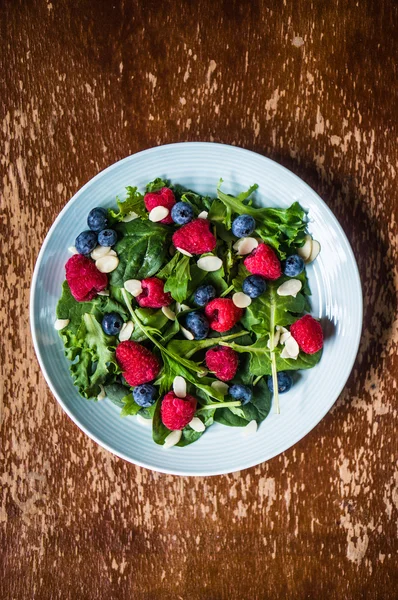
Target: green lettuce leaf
{"points": [[134, 202]]}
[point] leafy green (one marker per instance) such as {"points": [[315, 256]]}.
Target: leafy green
{"points": [[141, 250], [134, 202], [156, 185], [178, 278], [130, 407], [117, 393], [257, 409], [188, 348]]}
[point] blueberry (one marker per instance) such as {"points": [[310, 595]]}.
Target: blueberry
{"points": [[254, 286], [85, 242], [112, 323], [285, 382], [182, 213], [107, 237], [197, 324], [97, 219], [241, 392], [293, 265], [243, 226], [204, 294], [144, 395]]}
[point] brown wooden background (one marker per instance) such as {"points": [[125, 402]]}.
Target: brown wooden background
{"points": [[312, 85]]}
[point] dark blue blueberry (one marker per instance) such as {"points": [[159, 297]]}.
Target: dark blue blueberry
{"points": [[197, 324], [97, 219], [285, 382], [107, 237], [293, 265], [112, 323], [182, 213], [204, 294], [243, 226], [240, 392], [145, 395], [85, 242], [254, 286]]}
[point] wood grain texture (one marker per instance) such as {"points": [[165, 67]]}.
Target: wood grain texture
{"points": [[312, 85]]}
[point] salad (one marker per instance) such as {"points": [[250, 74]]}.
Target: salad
{"points": [[187, 310]]}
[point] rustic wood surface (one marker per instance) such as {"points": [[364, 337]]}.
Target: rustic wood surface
{"points": [[312, 85]]}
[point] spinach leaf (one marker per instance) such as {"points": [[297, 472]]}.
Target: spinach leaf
{"points": [[117, 393], [258, 409]]}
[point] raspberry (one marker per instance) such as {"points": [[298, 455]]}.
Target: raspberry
{"points": [[153, 294], [163, 197], [83, 278], [223, 314], [177, 412], [137, 363], [223, 361], [263, 261], [195, 237], [308, 334]]}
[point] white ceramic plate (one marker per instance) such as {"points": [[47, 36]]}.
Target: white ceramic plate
{"points": [[336, 299]]}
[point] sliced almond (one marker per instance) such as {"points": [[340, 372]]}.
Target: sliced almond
{"points": [[281, 329], [170, 314], [276, 339], [172, 439], [107, 264], [158, 214], [184, 252], [112, 252], [102, 394], [133, 286], [245, 245], [285, 353], [290, 288], [203, 215], [316, 248], [241, 300], [142, 421], [209, 263], [72, 250], [61, 324], [130, 217], [292, 347], [250, 428], [103, 293], [197, 425], [187, 334], [180, 386], [220, 386], [100, 251], [181, 307], [305, 251], [284, 336], [126, 331]]}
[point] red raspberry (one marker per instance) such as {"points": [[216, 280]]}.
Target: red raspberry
{"points": [[195, 237], [263, 261], [138, 364], [83, 278], [177, 412], [223, 314], [223, 361], [308, 334], [153, 294], [163, 197]]}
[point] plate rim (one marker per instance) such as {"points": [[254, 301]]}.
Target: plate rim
{"points": [[32, 305]]}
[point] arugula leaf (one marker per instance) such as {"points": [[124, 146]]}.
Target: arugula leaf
{"points": [[130, 407], [141, 250], [134, 202], [188, 348], [178, 278]]}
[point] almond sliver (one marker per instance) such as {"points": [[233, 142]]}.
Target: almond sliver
{"points": [[290, 288]]}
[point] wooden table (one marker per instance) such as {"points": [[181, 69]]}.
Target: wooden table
{"points": [[312, 85]]}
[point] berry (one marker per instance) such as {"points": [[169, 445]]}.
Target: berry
{"points": [[137, 363], [112, 323], [107, 237], [144, 395], [241, 392], [308, 334], [223, 361], [293, 265], [176, 412], [197, 324], [204, 294], [223, 314], [83, 278], [182, 213], [195, 237], [285, 382], [254, 286], [97, 219], [243, 226], [163, 197], [153, 294], [85, 242], [263, 261]]}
